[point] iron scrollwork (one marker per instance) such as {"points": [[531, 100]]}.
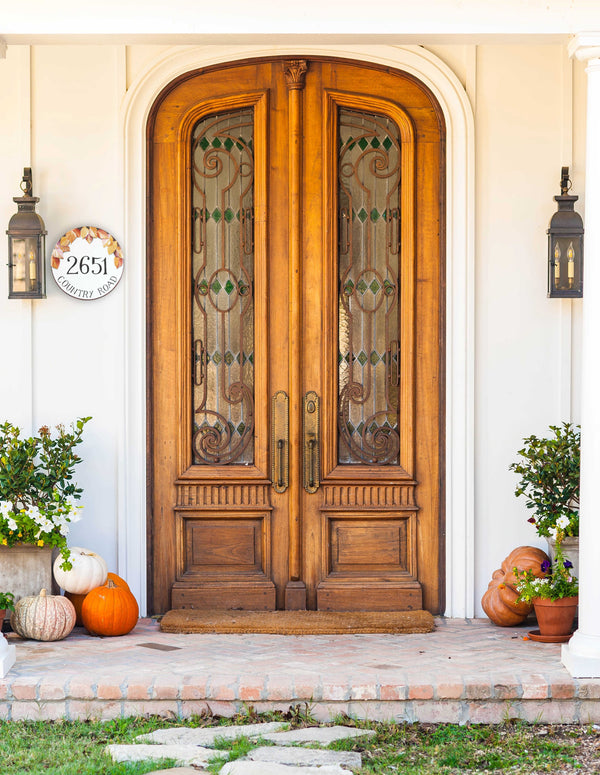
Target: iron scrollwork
{"points": [[369, 254], [223, 293]]}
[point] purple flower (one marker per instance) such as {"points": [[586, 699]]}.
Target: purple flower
{"points": [[532, 520], [545, 566], [568, 564]]}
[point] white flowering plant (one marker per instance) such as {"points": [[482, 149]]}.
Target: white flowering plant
{"points": [[549, 471], [38, 497], [557, 582]]}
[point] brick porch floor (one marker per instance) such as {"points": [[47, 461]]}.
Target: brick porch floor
{"points": [[465, 671]]}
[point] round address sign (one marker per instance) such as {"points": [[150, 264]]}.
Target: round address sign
{"points": [[87, 263]]}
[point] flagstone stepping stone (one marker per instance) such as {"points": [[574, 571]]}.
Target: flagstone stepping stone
{"points": [[206, 736], [183, 754], [315, 757], [177, 771], [320, 735], [241, 767]]}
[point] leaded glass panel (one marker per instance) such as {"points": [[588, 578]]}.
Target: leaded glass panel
{"points": [[368, 323], [223, 288]]}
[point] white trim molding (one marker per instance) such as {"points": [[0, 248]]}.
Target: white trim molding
{"points": [[460, 177], [581, 655]]}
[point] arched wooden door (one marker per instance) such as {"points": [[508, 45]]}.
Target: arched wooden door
{"points": [[296, 339]]}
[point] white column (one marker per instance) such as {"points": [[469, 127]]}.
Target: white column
{"points": [[581, 656]]}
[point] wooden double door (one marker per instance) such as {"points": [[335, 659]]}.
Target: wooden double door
{"points": [[295, 355]]}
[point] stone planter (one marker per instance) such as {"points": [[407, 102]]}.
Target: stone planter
{"points": [[26, 569], [570, 547]]}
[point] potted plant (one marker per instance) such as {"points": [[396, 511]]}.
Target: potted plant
{"points": [[549, 471], [554, 595], [7, 603], [38, 499]]}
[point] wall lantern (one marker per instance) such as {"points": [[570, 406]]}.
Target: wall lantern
{"points": [[26, 246], [565, 246]]}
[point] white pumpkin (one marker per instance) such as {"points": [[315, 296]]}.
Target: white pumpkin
{"points": [[88, 572]]}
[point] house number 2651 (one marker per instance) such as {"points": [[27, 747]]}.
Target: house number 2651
{"points": [[87, 263]]}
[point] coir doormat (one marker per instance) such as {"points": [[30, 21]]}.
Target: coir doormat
{"points": [[189, 620]]}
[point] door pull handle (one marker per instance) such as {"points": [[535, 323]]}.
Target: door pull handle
{"points": [[280, 441], [311, 440]]}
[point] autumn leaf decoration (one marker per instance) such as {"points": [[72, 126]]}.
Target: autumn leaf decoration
{"points": [[89, 234]]}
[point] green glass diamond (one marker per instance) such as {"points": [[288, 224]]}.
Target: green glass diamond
{"points": [[362, 358], [229, 286], [241, 428], [229, 215], [361, 287], [387, 143], [216, 286], [228, 143], [216, 214], [360, 428], [362, 214], [216, 143], [217, 357], [348, 287], [375, 286], [229, 358], [375, 143], [363, 143], [204, 143], [374, 214], [374, 358]]}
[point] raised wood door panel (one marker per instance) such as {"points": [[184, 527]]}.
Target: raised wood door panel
{"points": [[371, 535]]}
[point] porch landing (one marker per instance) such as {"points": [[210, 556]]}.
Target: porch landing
{"points": [[465, 671]]}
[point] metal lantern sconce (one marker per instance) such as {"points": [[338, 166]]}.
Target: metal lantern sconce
{"points": [[565, 246], [26, 246]]}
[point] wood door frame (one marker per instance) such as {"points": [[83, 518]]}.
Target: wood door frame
{"points": [[427, 68]]}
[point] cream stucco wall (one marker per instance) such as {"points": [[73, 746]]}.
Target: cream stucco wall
{"points": [[67, 357]]}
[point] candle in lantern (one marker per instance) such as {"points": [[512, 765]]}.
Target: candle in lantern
{"points": [[557, 265], [571, 264]]}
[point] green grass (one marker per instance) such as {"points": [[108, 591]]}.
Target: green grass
{"points": [[450, 749], [77, 748]]}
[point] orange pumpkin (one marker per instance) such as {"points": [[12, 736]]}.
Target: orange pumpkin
{"points": [[500, 600], [77, 601], [109, 610], [120, 582]]}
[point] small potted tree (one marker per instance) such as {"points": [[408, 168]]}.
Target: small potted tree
{"points": [[549, 471]]}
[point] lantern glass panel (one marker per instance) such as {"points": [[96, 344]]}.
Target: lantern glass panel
{"points": [[25, 278], [565, 264]]}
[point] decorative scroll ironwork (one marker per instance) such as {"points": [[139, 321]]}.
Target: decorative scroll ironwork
{"points": [[369, 325], [223, 288]]}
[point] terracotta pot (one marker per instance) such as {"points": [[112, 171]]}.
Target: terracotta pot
{"points": [[555, 617]]}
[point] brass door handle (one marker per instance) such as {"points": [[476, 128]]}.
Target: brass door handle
{"points": [[280, 441], [311, 442]]}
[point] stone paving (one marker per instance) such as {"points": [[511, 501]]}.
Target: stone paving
{"points": [[464, 671], [278, 759]]}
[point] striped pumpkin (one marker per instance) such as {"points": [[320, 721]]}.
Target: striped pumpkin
{"points": [[43, 617]]}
